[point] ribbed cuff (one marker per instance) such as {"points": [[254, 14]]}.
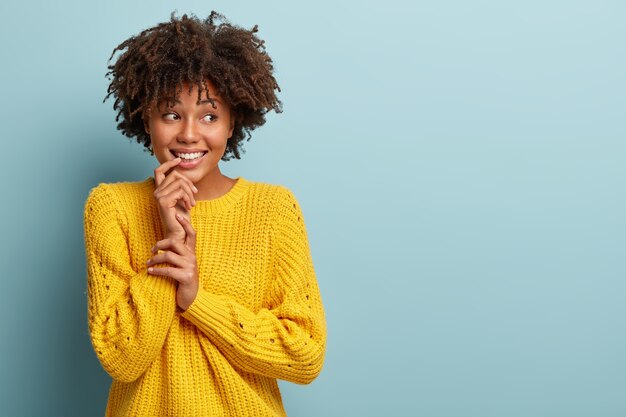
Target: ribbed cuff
{"points": [[209, 312]]}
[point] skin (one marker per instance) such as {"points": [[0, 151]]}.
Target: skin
{"points": [[188, 126]]}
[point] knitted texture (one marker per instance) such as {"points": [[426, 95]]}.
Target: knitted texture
{"points": [[257, 317]]}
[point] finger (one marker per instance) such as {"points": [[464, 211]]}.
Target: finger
{"points": [[159, 172], [173, 245], [185, 185], [172, 198], [176, 274], [182, 206], [169, 258], [181, 196], [175, 185], [175, 175], [190, 232]]}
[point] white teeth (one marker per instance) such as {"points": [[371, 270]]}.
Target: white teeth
{"points": [[190, 156]]}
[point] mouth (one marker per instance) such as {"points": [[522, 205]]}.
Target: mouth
{"points": [[188, 156]]}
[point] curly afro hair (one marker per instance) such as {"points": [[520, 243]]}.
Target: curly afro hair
{"points": [[153, 66]]}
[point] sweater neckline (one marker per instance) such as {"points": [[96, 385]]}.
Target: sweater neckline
{"points": [[223, 202]]}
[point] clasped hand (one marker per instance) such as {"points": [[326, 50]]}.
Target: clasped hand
{"points": [[174, 194]]}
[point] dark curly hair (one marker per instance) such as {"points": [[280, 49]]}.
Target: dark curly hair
{"points": [[153, 66]]}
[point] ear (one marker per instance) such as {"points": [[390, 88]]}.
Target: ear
{"points": [[232, 125], [146, 124]]}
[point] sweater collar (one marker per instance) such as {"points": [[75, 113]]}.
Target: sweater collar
{"points": [[223, 202], [215, 205]]}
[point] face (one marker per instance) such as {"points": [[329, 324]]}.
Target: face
{"points": [[193, 130]]}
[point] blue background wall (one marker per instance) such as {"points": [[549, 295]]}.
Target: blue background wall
{"points": [[461, 168]]}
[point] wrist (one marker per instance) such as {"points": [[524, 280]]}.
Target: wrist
{"points": [[186, 297], [175, 236]]}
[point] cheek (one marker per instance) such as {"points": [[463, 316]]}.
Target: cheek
{"points": [[161, 157], [160, 149], [219, 140]]}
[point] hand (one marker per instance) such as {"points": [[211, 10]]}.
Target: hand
{"points": [[174, 193], [181, 255]]}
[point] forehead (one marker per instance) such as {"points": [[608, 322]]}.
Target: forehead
{"points": [[187, 92]]}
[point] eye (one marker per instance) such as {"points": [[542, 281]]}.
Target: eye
{"points": [[170, 116], [209, 117]]}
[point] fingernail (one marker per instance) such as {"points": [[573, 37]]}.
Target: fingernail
{"points": [[150, 269], [179, 217], [148, 261], [153, 249], [195, 189]]}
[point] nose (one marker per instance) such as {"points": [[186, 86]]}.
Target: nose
{"points": [[188, 132]]}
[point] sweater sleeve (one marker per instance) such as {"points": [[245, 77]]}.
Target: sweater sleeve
{"points": [[129, 311], [287, 338]]}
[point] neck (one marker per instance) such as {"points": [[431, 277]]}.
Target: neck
{"points": [[213, 185]]}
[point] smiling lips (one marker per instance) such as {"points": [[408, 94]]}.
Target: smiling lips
{"points": [[189, 159]]}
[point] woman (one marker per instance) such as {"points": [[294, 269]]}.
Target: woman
{"points": [[201, 288]]}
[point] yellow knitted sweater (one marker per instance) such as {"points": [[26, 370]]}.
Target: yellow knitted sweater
{"points": [[257, 317]]}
